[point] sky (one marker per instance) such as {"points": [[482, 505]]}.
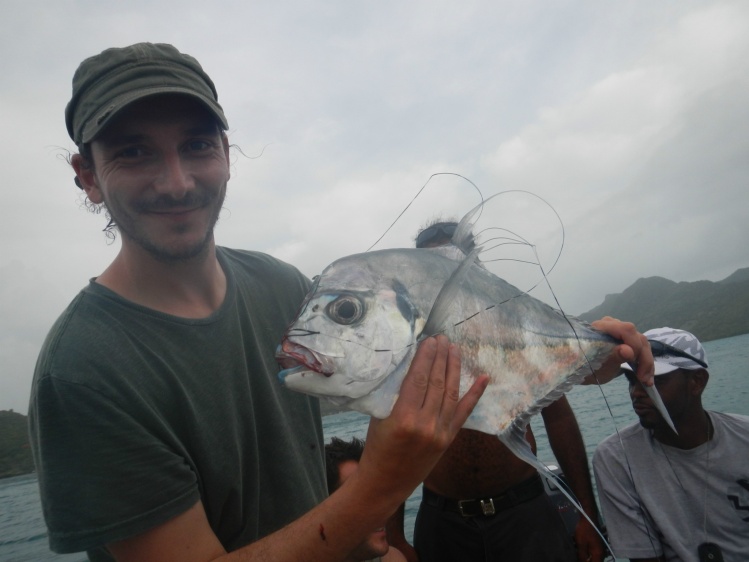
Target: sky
{"points": [[619, 130]]}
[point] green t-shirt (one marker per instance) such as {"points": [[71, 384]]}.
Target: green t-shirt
{"points": [[136, 414]]}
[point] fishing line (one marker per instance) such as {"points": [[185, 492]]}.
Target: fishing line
{"points": [[520, 240], [608, 407], [417, 195]]}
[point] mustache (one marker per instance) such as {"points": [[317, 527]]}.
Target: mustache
{"points": [[167, 202]]}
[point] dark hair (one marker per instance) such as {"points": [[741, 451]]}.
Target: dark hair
{"points": [[336, 452], [440, 230], [87, 161]]}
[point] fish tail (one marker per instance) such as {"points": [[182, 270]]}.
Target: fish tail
{"points": [[514, 439]]}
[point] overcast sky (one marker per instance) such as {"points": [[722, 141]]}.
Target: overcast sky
{"points": [[630, 119]]}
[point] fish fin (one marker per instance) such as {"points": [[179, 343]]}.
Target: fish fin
{"points": [[514, 439], [652, 393], [463, 236], [440, 312]]}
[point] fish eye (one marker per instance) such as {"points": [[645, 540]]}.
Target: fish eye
{"points": [[345, 310]]}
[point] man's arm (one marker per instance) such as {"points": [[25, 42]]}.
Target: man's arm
{"points": [[397, 537], [423, 423], [567, 443]]}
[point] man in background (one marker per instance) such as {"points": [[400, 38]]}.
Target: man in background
{"points": [[676, 496], [341, 461], [478, 467]]}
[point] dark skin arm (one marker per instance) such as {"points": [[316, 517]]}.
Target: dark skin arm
{"points": [[397, 538], [569, 450]]}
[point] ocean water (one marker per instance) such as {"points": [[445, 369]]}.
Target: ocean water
{"points": [[599, 411]]}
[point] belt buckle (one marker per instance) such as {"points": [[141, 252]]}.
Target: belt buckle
{"points": [[461, 504], [487, 507]]}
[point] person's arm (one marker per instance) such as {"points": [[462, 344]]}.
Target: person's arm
{"points": [[568, 447], [634, 348], [397, 537], [424, 421]]}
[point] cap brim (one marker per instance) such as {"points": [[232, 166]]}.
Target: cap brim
{"points": [[97, 125], [661, 367]]}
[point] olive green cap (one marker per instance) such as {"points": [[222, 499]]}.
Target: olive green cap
{"points": [[108, 82]]}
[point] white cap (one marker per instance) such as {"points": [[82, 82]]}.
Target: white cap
{"points": [[684, 341]]}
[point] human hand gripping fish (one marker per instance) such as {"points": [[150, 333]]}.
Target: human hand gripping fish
{"points": [[635, 350], [404, 447]]}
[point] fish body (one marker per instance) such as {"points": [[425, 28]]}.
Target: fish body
{"points": [[359, 327]]}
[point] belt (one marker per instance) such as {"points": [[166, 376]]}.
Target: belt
{"points": [[520, 493]]}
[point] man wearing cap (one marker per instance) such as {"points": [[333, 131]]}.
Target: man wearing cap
{"points": [[676, 496], [158, 427]]}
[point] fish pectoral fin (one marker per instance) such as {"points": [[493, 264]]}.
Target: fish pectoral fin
{"points": [[440, 312]]}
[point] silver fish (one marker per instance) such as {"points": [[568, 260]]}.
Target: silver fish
{"points": [[357, 332], [358, 329]]}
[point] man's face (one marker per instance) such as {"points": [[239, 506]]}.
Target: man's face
{"points": [[675, 391], [161, 168], [376, 544]]}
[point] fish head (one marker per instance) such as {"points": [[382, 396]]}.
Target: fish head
{"points": [[345, 342]]}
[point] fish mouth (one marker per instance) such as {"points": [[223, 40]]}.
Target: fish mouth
{"points": [[291, 355]]}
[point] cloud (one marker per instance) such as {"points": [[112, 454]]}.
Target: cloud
{"points": [[629, 119]]}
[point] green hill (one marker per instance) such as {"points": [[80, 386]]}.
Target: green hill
{"points": [[710, 310], [15, 452]]}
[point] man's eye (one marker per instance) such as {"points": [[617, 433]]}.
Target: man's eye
{"points": [[198, 145], [130, 152]]}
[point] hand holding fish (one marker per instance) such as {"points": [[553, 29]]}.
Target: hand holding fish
{"points": [[424, 420], [633, 349]]}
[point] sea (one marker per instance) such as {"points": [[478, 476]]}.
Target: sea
{"points": [[600, 411]]}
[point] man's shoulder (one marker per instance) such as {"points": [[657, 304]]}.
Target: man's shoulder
{"points": [[611, 445], [734, 427], [732, 419], [252, 258], [258, 264]]}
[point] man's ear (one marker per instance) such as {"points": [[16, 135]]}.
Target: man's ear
{"points": [[86, 178], [225, 142]]}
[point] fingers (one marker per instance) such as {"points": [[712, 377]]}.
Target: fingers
{"points": [[416, 383], [425, 418], [634, 348], [433, 383], [437, 384]]}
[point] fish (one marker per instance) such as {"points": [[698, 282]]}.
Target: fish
{"points": [[358, 328]]}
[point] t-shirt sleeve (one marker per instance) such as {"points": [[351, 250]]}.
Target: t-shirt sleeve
{"points": [[630, 530], [133, 481]]}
